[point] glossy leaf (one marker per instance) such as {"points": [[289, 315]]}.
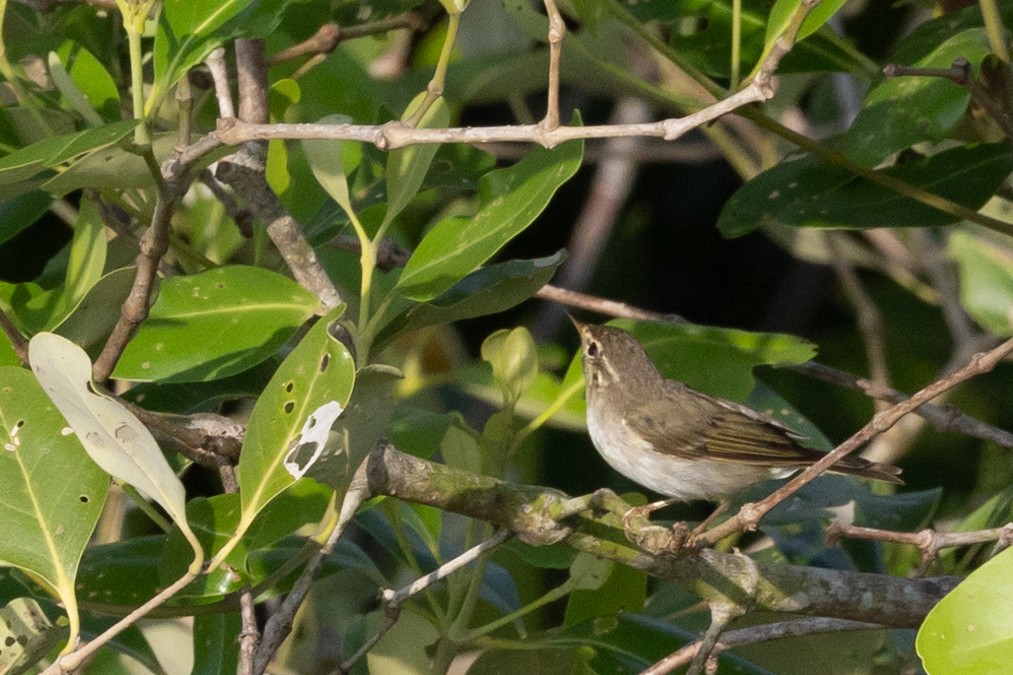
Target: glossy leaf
{"points": [[52, 492], [215, 324], [782, 12], [27, 162], [188, 31], [902, 111], [805, 193], [116, 440], [214, 640], [490, 290], [318, 371], [986, 280], [124, 573], [511, 199], [971, 629]]}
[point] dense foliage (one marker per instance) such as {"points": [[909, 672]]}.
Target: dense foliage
{"points": [[250, 246]]}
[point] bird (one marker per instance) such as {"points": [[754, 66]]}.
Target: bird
{"points": [[682, 443]]}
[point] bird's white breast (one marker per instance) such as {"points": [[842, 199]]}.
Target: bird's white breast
{"points": [[682, 479]]}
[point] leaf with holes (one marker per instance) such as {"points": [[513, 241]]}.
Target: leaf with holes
{"points": [[214, 324], [116, 440], [51, 494], [319, 371]]}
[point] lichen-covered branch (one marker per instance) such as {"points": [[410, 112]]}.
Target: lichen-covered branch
{"points": [[531, 513]]}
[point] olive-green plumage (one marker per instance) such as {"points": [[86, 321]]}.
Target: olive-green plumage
{"points": [[680, 442]]}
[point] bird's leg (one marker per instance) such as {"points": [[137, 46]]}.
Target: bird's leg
{"points": [[699, 529]]}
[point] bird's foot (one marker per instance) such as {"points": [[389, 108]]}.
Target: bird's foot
{"points": [[655, 539]]}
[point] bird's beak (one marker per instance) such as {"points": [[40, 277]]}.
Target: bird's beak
{"points": [[576, 324]]}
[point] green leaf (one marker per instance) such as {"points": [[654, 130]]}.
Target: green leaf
{"points": [[970, 631], [511, 199], [327, 159], [189, 30], [986, 280], [365, 420], [623, 589], [215, 324], [782, 12], [51, 495], [87, 254], [116, 440], [91, 78], [514, 361], [116, 167], [902, 111], [215, 637], [28, 162], [91, 321], [124, 573], [490, 290], [806, 193], [19, 212], [319, 372], [407, 166]]}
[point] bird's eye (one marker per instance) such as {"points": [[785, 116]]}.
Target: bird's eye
{"points": [[592, 349]]}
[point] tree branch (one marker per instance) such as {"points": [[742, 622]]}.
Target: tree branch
{"points": [[531, 513]]}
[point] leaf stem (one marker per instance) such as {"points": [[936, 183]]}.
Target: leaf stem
{"points": [[995, 30]]}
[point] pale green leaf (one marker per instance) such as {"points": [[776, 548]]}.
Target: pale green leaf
{"points": [[986, 280], [328, 165], [52, 493], [87, 254], [116, 440], [514, 361], [970, 631], [407, 166]]}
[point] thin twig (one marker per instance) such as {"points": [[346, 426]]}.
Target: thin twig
{"points": [[870, 319], [330, 35], [755, 634], [750, 514], [959, 73], [279, 625], [220, 76], [721, 614], [394, 599], [928, 542], [75, 659], [394, 135], [557, 31], [610, 187], [946, 419], [154, 244]]}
